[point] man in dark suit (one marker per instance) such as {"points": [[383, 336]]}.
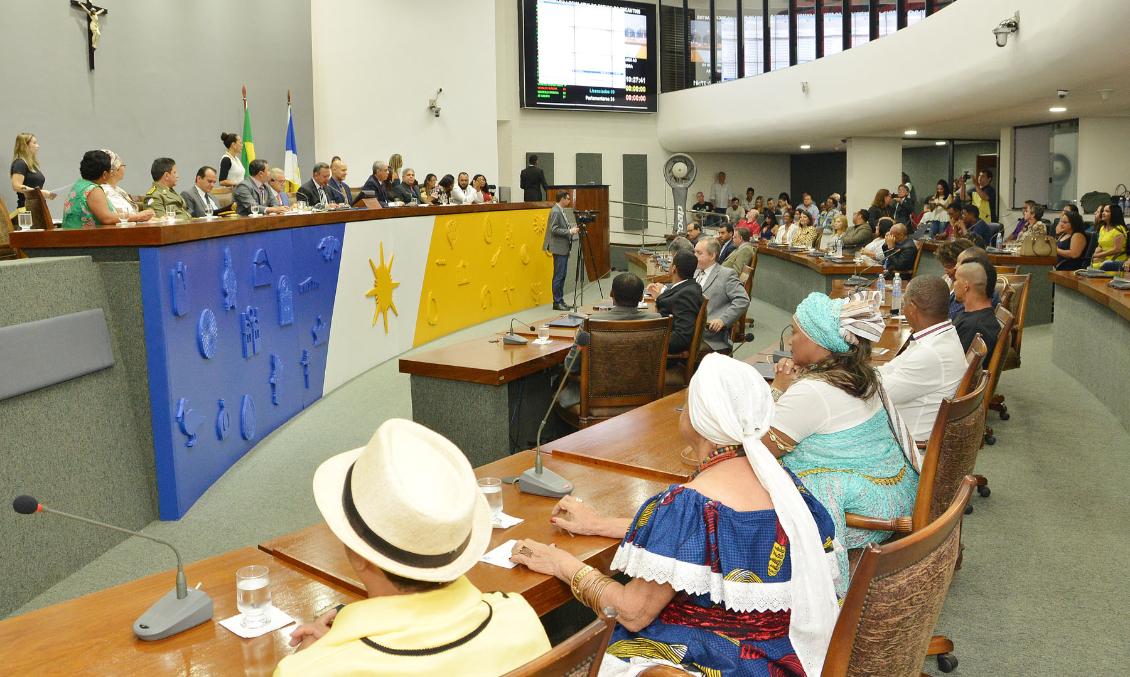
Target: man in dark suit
{"points": [[377, 184], [315, 191], [679, 300], [199, 197], [532, 181], [559, 241], [899, 252], [627, 292], [726, 241], [253, 191], [339, 191]]}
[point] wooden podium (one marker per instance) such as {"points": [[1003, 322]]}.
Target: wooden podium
{"points": [[590, 197]]}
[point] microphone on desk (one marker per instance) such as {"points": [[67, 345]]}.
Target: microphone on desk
{"points": [[176, 611], [780, 353], [512, 339], [857, 280], [537, 480]]}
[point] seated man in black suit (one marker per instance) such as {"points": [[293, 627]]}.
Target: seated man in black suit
{"points": [[680, 300], [378, 183], [899, 252], [316, 190]]}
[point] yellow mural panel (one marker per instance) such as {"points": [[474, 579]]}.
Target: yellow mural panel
{"points": [[482, 266]]}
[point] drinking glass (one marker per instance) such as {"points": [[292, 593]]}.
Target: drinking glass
{"points": [[543, 333], [170, 214], [208, 210], [255, 210], [25, 220], [302, 206], [492, 489], [123, 217], [253, 595]]}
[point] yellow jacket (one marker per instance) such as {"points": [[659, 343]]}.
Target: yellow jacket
{"points": [[467, 631]]}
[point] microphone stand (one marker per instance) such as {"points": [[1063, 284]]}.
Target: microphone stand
{"points": [[538, 480]]}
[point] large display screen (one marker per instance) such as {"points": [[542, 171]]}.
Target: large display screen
{"points": [[589, 55]]}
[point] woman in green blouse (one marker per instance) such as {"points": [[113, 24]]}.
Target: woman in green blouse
{"points": [[87, 205]]}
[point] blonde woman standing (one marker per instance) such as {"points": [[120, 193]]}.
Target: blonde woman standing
{"points": [[395, 163], [25, 172]]}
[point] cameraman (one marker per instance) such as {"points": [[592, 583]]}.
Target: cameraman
{"points": [[558, 241], [984, 196]]}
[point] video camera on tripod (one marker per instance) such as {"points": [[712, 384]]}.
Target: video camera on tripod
{"points": [[584, 217]]}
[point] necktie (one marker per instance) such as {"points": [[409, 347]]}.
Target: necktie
{"points": [[262, 195], [321, 196], [699, 276]]}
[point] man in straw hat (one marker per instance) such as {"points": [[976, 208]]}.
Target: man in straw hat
{"points": [[408, 511]]}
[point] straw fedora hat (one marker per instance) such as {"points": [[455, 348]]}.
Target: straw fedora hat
{"points": [[408, 502]]}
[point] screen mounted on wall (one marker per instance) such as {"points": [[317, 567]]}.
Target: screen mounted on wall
{"points": [[589, 55]]}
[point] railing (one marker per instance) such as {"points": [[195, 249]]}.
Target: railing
{"points": [[732, 39]]}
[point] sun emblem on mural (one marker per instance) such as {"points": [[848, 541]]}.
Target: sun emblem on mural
{"points": [[383, 285]]}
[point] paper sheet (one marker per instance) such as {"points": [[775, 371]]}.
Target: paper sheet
{"points": [[279, 619], [504, 521], [500, 556]]}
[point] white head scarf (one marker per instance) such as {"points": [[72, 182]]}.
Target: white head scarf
{"points": [[730, 403]]}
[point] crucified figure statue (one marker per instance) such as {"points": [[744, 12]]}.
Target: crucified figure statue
{"points": [[93, 28]]}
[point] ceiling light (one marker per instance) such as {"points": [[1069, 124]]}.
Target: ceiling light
{"points": [[1057, 109], [911, 132], [939, 143], [805, 146], [1006, 28]]}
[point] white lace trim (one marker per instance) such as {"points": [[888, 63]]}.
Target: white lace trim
{"points": [[698, 579]]}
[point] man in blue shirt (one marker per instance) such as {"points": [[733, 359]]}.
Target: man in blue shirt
{"points": [[975, 227]]}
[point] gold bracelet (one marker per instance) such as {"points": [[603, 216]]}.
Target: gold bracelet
{"points": [[592, 588], [776, 393], [782, 445], [575, 581]]}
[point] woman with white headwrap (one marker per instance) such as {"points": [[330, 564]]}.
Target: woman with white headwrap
{"points": [[833, 425], [732, 572]]}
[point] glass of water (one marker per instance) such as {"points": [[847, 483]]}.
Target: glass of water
{"points": [[255, 210], [170, 214], [253, 595], [123, 217], [302, 206], [543, 333], [492, 489], [25, 220]]}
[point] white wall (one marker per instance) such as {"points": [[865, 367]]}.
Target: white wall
{"points": [[769, 175], [872, 164], [1104, 146], [376, 64]]}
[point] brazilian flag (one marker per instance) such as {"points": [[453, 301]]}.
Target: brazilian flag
{"points": [[248, 140]]}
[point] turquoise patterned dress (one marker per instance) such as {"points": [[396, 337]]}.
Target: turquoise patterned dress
{"points": [[859, 470]]}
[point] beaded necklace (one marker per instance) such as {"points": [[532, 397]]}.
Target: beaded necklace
{"points": [[718, 455]]}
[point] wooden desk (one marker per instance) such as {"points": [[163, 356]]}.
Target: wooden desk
{"points": [[317, 551], [1039, 293], [91, 635], [785, 278], [643, 267], [1090, 335]]}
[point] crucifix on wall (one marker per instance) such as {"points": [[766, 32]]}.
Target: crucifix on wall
{"points": [[93, 27]]}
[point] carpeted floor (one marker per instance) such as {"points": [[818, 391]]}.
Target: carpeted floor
{"points": [[1042, 589]]}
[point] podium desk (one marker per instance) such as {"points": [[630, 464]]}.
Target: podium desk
{"points": [[92, 635], [317, 551], [784, 278]]}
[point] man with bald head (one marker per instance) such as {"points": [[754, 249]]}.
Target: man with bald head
{"points": [[899, 253], [976, 254], [726, 300], [931, 364], [976, 316]]}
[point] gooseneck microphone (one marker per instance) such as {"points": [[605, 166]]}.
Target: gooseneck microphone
{"points": [[857, 280], [537, 480], [179, 610], [510, 338]]}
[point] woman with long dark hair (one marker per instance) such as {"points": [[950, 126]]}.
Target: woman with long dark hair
{"points": [[1070, 241], [1110, 229]]}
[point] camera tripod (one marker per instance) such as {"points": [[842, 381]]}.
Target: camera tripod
{"points": [[584, 249]]}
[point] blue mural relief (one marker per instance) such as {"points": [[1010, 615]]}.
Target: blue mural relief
{"points": [[179, 276], [261, 269], [188, 421], [223, 422], [247, 417], [249, 331], [228, 281], [286, 301], [179, 365], [207, 333]]}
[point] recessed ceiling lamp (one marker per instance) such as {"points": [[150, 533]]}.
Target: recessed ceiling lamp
{"points": [[1057, 109], [805, 146], [911, 132], [939, 143]]}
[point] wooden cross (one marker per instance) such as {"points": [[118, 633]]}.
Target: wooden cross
{"points": [[93, 28]]}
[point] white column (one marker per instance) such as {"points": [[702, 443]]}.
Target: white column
{"points": [[1104, 145], [872, 164]]}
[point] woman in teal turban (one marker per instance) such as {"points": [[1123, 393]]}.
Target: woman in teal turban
{"points": [[831, 427]]}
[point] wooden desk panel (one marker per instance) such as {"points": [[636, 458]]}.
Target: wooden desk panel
{"points": [[317, 550], [488, 360], [999, 259], [92, 635], [156, 234], [1096, 289]]}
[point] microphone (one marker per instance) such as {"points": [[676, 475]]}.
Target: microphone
{"points": [[858, 280], [537, 480], [780, 353], [512, 339], [176, 611]]}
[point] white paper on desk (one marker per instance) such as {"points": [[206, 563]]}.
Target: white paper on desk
{"points": [[279, 619], [500, 556], [504, 521]]}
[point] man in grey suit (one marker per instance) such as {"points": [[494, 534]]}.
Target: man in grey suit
{"points": [[199, 198], [725, 297], [254, 191], [558, 241]]}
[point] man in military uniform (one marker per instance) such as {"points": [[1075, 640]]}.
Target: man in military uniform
{"points": [[161, 195]]}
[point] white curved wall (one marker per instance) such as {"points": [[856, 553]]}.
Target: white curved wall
{"points": [[944, 76]]}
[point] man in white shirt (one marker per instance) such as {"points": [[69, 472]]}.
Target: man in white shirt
{"points": [[462, 193], [809, 206], [749, 202], [720, 195], [930, 366]]}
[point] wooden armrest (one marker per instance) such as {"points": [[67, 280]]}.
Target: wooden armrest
{"points": [[685, 355], [900, 525]]}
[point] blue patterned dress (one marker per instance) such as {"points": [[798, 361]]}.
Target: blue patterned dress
{"points": [[730, 571], [859, 470]]}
